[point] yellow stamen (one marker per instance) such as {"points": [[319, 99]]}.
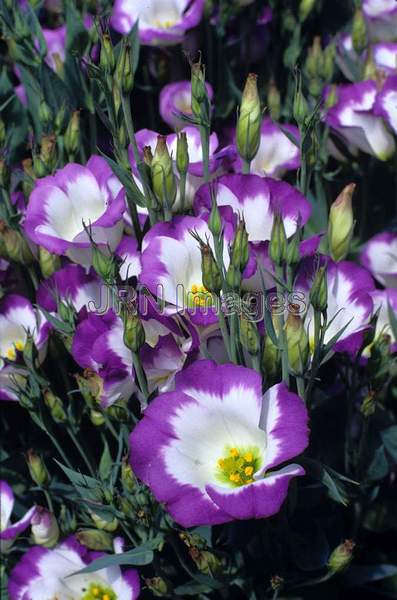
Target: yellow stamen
{"points": [[194, 288], [249, 470], [105, 597], [11, 354], [95, 591], [203, 289], [248, 457], [234, 452]]}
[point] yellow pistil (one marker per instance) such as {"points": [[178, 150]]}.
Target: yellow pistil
{"points": [[19, 345], [234, 452], [105, 597], [95, 591], [249, 470], [237, 466], [198, 295], [11, 353], [164, 24]]}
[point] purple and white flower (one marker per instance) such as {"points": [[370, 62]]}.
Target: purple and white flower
{"points": [[380, 258], [176, 99], [353, 117], [210, 449], [130, 256], [277, 153], [9, 531], [45, 573], [381, 16], [257, 199], [62, 205], [386, 102], [161, 22], [383, 301], [385, 56]]}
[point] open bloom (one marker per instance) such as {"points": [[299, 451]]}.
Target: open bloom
{"points": [[61, 206], [381, 16], [349, 303], [386, 101], [8, 531], [257, 199], [56, 45], [277, 153], [161, 22], [210, 449], [44, 573], [18, 319], [353, 117], [176, 98], [380, 258]]}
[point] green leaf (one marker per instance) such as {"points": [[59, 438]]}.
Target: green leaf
{"points": [[142, 555], [77, 37], [133, 38], [88, 487], [379, 467], [389, 438], [106, 463], [331, 479], [57, 323]]}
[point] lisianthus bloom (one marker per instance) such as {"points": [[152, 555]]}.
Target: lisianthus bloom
{"points": [[277, 153], [380, 258], [171, 267], [195, 173], [385, 56], [381, 16], [44, 573], [56, 45], [18, 319], [385, 300], [176, 99], [349, 303], [161, 22], [61, 206], [386, 101], [257, 199], [8, 531], [353, 117], [210, 449], [130, 258]]}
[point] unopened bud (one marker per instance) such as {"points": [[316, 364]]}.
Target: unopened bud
{"points": [[271, 357], [293, 251], [147, 156], [300, 107], [107, 59], [97, 418], [45, 528], [370, 69], [305, 8], [240, 251], [211, 274], [205, 561], [341, 224], [103, 264], [297, 343], [314, 60], [29, 352], [48, 152], [200, 103], [60, 121], [16, 247], [95, 539], [45, 114], [368, 405], [319, 291], [278, 241], [248, 131], [90, 386], [158, 586], [341, 556], [249, 336], [72, 134], [49, 263], [134, 333], [182, 154], [331, 97], [124, 70], [329, 55], [214, 221], [55, 405], [359, 32], [274, 101], [101, 523], [163, 178], [128, 479], [37, 469], [233, 277]]}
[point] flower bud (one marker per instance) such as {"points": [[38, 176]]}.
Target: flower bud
{"points": [[28, 176], [55, 405], [72, 134], [48, 152], [134, 333], [107, 59], [278, 241], [240, 251], [233, 277], [305, 8], [319, 291], [147, 156], [300, 107], [103, 524], [274, 101], [29, 352], [293, 251], [163, 178], [16, 247], [359, 32], [211, 274], [37, 469], [182, 154], [60, 120], [2, 133], [341, 224], [128, 480], [370, 70], [297, 343], [341, 556], [118, 412], [314, 60], [45, 528], [331, 97], [45, 114], [329, 55], [97, 418], [248, 131], [200, 102], [103, 264], [271, 357], [249, 336], [4, 174], [158, 586], [214, 221], [90, 386], [205, 561], [95, 539], [368, 405], [49, 263], [124, 71]]}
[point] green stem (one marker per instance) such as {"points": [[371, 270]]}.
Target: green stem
{"points": [[205, 146], [246, 166], [59, 449], [182, 192], [281, 335], [140, 374], [48, 500], [256, 363], [80, 450], [33, 276]]}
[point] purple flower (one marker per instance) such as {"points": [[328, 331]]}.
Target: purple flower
{"points": [[161, 22], [61, 205], [353, 117], [44, 573], [56, 45], [8, 531], [386, 101], [381, 16], [175, 98], [276, 154], [380, 258], [257, 199], [130, 256], [385, 56], [209, 450]]}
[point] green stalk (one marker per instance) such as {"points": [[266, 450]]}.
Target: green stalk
{"points": [[182, 191], [205, 146], [140, 374], [80, 450], [246, 166], [281, 336]]}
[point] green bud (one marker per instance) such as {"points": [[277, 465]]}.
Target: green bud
{"points": [[233, 277], [278, 241], [158, 586], [128, 479], [49, 263], [2, 133], [55, 405], [368, 406], [319, 291], [118, 412], [45, 528], [271, 357], [293, 251], [329, 55], [341, 556], [182, 154], [341, 224], [134, 333], [124, 71], [90, 385], [28, 176], [274, 101], [305, 8], [103, 524], [300, 107], [205, 561], [211, 274], [214, 221], [72, 134], [239, 251], [45, 114], [248, 131], [95, 539], [48, 152], [103, 264], [16, 247], [200, 101], [359, 32], [97, 418], [332, 97], [314, 60], [4, 174], [60, 121], [107, 59], [147, 156], [297, 343], [249, 336], [29, 352], [163, 178], [37, 469], [125, 506]]}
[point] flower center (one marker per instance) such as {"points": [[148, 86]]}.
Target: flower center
{"points": [[99, 592], [11, 351], [238, 466], [199, 296], [164, 24]]}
